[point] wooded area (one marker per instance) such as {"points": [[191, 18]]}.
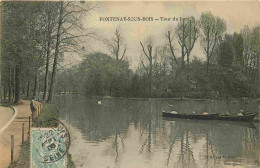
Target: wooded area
{"points": [[36, 35], [34, 38]]}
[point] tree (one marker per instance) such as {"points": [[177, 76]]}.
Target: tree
{"points": [[187, 32], [20, 42], [161, 80], [192, 31], [54, 69], [212, 30], [115, 47], [255, 46], [182, 34], [226, 52], [49, 18], [170, 38], [150, 59], [238, 49], [70, 35], [95, 76], [173, 60], [251, 58]]}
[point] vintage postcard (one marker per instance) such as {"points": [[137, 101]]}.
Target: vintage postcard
{"points": [[129, 84]]}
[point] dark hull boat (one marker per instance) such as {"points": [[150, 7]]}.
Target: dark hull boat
{"points": [[191, 116], [244, 117]]}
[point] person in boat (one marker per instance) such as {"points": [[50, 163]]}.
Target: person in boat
{"points": [[174, 112], [240, 113], [33, 106]]}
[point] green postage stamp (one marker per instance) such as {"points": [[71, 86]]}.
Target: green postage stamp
{"points": [[49, 146]]}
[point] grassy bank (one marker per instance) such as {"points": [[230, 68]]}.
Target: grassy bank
{"points": [[6, 104], [49, 111]]}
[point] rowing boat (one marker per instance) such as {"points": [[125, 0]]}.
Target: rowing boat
{"points": [[191, 116], [245, 117]]}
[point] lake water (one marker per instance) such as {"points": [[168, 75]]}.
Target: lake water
{"points": [[131, 133]]}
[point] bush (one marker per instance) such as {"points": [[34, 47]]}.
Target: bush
{"points": [[48, 113]]}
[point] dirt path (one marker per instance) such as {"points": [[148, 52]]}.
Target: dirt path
{"points": [[15, 128], [6, 114]]}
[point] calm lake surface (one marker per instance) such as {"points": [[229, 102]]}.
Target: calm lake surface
{"points": [[128, 133]]}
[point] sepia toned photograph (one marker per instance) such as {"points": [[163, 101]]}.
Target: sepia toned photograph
{"points": [[129, 84]]}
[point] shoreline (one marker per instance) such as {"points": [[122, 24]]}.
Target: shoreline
{"points": [[166, 98]]}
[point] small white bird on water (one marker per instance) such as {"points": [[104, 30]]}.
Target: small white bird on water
{"points": [[99, 102]]}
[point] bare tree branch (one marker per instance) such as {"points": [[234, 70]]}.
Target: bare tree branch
{"points": [[144, 51], [122, 55]]}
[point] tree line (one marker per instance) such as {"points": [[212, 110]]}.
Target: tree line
{"points": [[231, 67], [35, 36]]}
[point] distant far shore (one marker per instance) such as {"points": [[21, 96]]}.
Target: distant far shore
{"points": [[245, 99]]}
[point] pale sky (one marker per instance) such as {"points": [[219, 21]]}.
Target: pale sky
{"points": [[236, 14]]}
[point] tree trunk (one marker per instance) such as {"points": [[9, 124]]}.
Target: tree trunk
{"points": [[23, 90], [45, 96], [207, 67], [35, 89], [28, 90], [208, 54], [182, 57], [10, 85], [46, 73], [4, 93], [188, 59], [14, 85], [17, 84], [150, 71], [53, 77], [150, 77], [258, 75], [188, 73]]}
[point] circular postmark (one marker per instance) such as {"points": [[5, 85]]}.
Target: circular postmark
{"points": [[53, 142]]}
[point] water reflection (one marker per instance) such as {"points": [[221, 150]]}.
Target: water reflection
{"points": [[132, 133]]}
